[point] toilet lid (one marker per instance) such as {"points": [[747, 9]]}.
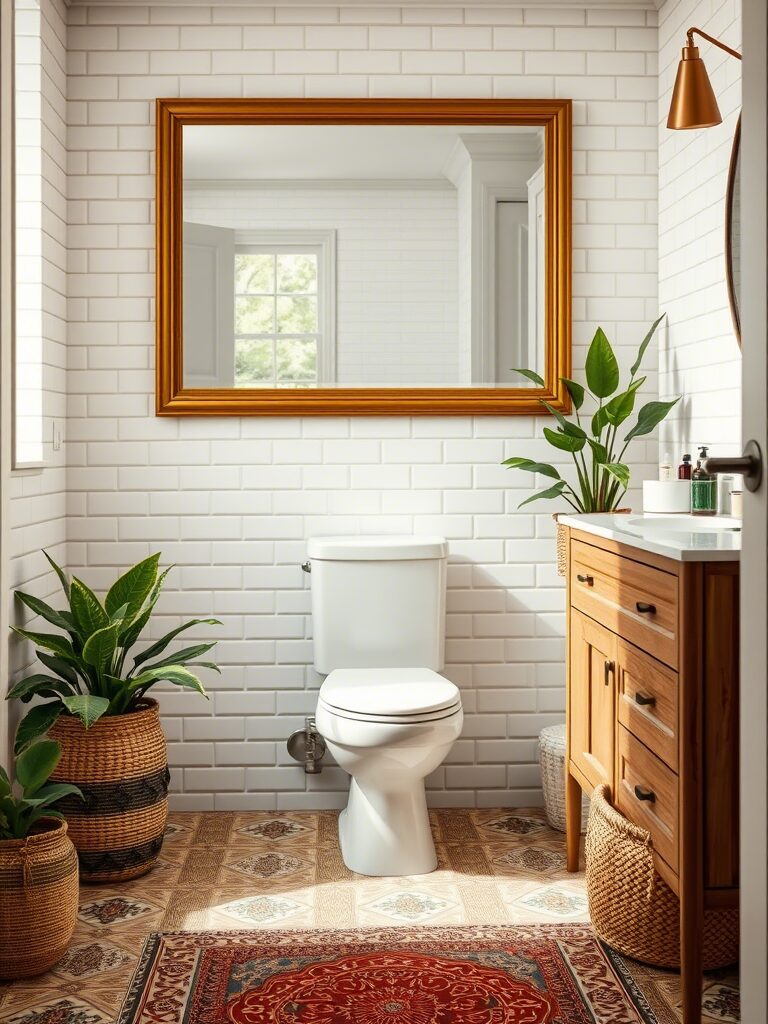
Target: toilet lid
{"points": [[389, 692]]}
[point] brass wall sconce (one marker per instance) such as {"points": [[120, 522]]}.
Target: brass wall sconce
{"points": [[693, 102]]}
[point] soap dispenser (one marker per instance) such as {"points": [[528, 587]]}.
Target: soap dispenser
{"points": [[703, 488]]}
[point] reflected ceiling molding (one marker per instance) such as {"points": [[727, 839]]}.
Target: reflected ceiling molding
{"points": [[238, 184]]}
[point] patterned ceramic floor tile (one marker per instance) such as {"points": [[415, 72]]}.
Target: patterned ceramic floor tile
{"points": [[273, 829], [526, 860], [410, 907], [176, 832], [269, 864], [59, 1011], [261, 910], [515, 825], [86, 959], [721, 1003], [555, 901], [112, 910]]}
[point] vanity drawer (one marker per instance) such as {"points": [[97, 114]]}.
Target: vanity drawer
{"points": [[637, 601], [647, 794], [648, 702]]}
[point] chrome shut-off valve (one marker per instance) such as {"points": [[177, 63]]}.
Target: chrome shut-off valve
{"points": [[307, 746]]}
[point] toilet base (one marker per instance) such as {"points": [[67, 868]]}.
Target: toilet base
{"points": [[387, 832]]}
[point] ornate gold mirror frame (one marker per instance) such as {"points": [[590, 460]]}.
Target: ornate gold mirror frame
{"points": [[173, 399]]}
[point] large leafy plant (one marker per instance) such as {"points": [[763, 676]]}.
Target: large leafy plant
{"points": [[22, 805], [602, 476], [87, 660]]}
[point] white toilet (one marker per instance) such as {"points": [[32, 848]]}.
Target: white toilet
{"points": [[389, 719]]}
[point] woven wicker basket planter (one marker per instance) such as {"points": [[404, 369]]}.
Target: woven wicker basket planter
{"points": [[38, 900], [632, 907], [121, 766]]}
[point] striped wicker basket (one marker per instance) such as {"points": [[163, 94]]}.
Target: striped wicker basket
{"points": [[552, 763], [121, 767], [632, 907], [38, 900]]}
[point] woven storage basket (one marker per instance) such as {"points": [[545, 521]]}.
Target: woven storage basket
{"points": [[38, 900], [552, 763], [632, 907], [121, 767]]}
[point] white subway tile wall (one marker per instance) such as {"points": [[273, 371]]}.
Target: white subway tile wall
{"points": [[699, 356], [233, 501]]}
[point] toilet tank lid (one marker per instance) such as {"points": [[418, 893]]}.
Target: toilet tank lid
{"points": [[375, 549]]}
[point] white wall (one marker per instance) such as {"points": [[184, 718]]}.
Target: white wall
{"points": [[700, 357], [396, 270], [231, 501], [38, 496]]}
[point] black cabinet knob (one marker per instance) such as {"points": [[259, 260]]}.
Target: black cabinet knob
{"points": [[644, 608], [589, 580]]}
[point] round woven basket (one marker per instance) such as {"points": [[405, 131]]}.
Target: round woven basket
{"points": [[552, 764], [38, 899], [121, 767], [632, 907]]}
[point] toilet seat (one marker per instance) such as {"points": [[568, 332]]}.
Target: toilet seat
{"points": [[391, 695]]}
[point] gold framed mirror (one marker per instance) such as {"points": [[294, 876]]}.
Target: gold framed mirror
{"points": [[326, 257]]}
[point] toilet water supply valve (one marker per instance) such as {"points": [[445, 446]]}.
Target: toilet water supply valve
{"points": [[307, 746]]}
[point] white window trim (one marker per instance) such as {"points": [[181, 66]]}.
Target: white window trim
{"points": [[7, 303], [325, 242]]}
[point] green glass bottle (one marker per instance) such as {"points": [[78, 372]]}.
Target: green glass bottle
{"points": [[703, 488]]}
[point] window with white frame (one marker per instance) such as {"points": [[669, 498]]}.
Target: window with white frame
{"points": [[28, 399], [284, 302]]}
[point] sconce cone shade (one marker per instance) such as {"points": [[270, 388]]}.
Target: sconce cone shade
{"points": [[693, 101]]}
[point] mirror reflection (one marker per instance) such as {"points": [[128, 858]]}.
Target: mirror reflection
{"points": [[362, 255]]}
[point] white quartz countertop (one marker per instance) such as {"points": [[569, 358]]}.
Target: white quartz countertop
{"points": [[685, 538]]}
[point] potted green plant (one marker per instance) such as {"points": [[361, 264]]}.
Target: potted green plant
{"points": [[593, 440], [38, 865], [96, 705]]}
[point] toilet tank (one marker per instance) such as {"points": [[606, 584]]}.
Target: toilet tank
{"points": [[378, 602]]}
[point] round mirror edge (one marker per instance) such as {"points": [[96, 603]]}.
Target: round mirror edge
{"points": [[733, 175]]}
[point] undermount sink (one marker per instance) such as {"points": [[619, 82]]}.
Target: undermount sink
{"points": [[648, 525]]}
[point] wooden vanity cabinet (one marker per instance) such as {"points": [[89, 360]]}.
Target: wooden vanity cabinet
{"points": [[652, 711]]}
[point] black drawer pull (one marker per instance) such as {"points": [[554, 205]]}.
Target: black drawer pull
{"points": [[644, 701], [644, 608], [589, 580], [645, 794]]}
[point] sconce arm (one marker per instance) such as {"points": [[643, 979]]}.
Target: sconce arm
{"points": [[711, 39]]}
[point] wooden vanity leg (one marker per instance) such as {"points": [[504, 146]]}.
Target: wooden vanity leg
{"points": [[572, 821], [691, 932]]}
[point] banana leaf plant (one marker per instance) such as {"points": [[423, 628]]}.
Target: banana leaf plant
{"points": [[593, 441], [24, 803], [87, 673]]}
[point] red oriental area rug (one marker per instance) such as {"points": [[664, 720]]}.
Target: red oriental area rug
{"points": [[531, 974]]}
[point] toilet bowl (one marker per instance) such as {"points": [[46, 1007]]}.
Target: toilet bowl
{"points": [[387, 716], [388, 728]]}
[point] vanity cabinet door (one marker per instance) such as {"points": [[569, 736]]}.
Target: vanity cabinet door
{"points": [[592, 696]]}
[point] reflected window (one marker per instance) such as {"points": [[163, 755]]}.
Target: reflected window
{"points": [[278, 338], [259, 307]]}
